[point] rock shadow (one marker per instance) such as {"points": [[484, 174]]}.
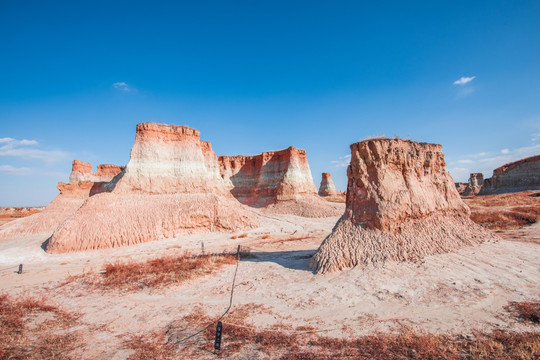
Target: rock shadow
{"points": [[294, 260]]}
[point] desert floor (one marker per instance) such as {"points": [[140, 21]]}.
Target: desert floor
{"points": [[451, 293]]}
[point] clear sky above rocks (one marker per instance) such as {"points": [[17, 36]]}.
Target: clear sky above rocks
{"points": [[253, 76]]}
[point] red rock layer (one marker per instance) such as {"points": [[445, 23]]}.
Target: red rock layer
{"points": [[168, 159], [516, 176], [279, 181], [401, 205]]}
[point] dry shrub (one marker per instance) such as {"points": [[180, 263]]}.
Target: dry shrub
{"points": [[156, 273], [152, 346], [242, 339], [265, 236], [505, 211], [244, 235], [528, 310], [26, 334]]}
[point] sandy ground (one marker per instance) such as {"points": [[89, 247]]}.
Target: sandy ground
{"points": [[455, 292]]}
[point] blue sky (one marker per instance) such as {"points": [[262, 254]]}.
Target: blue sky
{"points": [[254, 76]]}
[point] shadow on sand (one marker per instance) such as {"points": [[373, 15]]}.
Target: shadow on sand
{"points": [[295, 260]]}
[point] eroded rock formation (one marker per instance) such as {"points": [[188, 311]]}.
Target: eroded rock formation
{"points": [[278, 181], [401, 205], [327, 187], [476, 181], [516, 176], [170, 186], [83, 183], [461, 187]]}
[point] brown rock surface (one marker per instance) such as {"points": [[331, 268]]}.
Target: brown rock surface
{"points": [[72, 196], [279, 181], [460, 187], [170, 186], [401, 205], [476, 181], [516, 176]]}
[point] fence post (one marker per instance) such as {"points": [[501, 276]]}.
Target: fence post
{"points": [[219, 330], [20, 269]]}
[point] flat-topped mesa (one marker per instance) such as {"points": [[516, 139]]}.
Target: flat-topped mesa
{"points": [[169, 159], [83, 183], [272, 176], [476, 181], [401, 205], [394, 180], [327, 187], [516, 176], [170, 187]]}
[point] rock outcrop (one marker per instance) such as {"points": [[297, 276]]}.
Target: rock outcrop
{"points": [[516, 176], [401, 205], [83, 183], [461, 187], [476, 181], [327, 187], [170, 186], [277, 181]]}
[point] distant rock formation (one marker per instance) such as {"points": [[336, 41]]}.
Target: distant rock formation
{"points": [[278, 181], [461, 187], [170, 186], [83, 183], [476, 181], [401, 205], [327, 187], [516, 176]]}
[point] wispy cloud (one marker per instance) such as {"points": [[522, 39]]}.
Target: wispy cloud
{"points": [[343, 161], [28, 149], [17, 171], [464, 80], [123, 86]]}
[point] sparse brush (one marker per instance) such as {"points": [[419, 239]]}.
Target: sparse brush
{"points": [[46, 339], [155, 273], [527, 310]]}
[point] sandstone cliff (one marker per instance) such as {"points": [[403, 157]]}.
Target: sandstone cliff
{"points": [[83, 183], [476, 181], [516, 176], [401, 205], [170, 186], [278, 181]]}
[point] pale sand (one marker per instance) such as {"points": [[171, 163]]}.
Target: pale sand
{"points": [[455, 292]]}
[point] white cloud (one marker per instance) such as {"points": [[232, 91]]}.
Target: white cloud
{"points": [[505, 151], [11, 170], [464, 80], [120, 85], [26, 149], [343, 161]]}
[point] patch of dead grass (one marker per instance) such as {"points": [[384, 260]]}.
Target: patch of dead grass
{"points": [[527, 310], [154, 273], [31, 328]]}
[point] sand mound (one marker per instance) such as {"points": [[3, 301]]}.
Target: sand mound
{"points": [[113, 220], [83, 183], [401, 205]]}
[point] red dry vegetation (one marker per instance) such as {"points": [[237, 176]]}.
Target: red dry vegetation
{"points": [[243, 340], [30, 328], [505, 211], [155, 273]]}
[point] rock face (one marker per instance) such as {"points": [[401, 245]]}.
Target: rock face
{"points": [[476, 181], [83, 183], [170, 186], [516, 176], [278, 181], [401, 205], [461, 187], [327, 187]]}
